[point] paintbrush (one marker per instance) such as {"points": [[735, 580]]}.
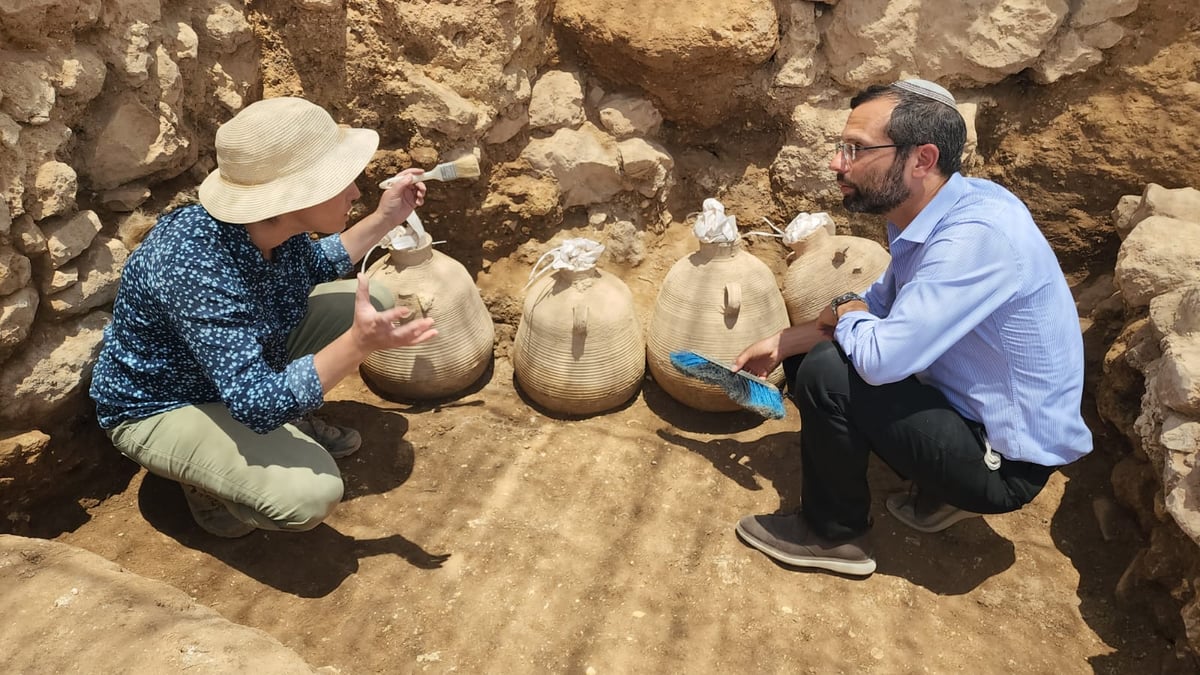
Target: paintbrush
{"points": [[463, 167]]}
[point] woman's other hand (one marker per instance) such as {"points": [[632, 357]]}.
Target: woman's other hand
{"points": [[374, 330]]}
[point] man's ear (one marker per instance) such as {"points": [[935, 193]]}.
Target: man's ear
{"points": [[927, 159]]}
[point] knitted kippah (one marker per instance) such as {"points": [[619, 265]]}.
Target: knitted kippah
{"points": [[928, 90]]}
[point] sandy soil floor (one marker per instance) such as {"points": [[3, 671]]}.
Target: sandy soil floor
{"points": [[485, 536]]}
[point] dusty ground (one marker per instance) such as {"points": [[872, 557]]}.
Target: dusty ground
{"points": [[482, 535]]}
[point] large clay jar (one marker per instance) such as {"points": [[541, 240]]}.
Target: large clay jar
{"points": [[715, 302], [434, 285], [579, 347], [826, 265]]}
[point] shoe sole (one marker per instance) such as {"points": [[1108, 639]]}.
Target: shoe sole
{"points": [[928, 529], [839, 565]]}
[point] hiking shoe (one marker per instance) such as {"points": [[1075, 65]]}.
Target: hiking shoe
{"points": [[924, 513], [212, 515], [338, 441], [788, 539]]}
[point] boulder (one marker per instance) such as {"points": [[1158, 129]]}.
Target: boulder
{"points": [[54, 189], [48, 376], [78, 612], [66, 238], [1159, 255], [16, 317], [625, 116], [585, 161], [99, 275], [557, 101]]}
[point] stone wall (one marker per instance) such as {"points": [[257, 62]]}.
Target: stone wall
{"points": [[1151, 392]]}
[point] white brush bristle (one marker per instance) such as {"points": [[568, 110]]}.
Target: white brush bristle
{"points": [[464, 167]]}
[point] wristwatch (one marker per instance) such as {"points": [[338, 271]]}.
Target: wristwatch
{"points": [[843, 299]]}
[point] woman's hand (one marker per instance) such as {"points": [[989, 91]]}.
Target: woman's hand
{"points": [[374, 330], [402, 198]]}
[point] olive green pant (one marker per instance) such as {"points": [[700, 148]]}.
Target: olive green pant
{"points": [[282, 480]]}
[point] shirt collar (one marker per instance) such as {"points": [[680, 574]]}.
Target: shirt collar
{"points": [[923, 225]]}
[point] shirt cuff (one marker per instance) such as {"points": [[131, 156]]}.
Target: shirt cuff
{"points": [[843, 333], [305, 385], [335, 252]]}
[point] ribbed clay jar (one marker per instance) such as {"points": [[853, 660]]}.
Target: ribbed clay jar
{"points": [[826, 265], [579, 347], [434, 285], [715, 302]]}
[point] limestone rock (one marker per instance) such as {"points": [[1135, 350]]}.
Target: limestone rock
{"points": [[504, 128], [797, 56], [38, 23], [28, 237], [17, 450], [647, 165], [79, 612], [1068, 55], [873, 41], [166, 73], [433, 105], [14, 270], [99, 274], [690, 56], [556, 101], [1156, 200], [1102, 36], [66, 238], [625, 116], [81, 74], [126, 48], [125, 198], [1159, 255], [60, 279], [585, 162], [802, 163], [16, 316], [182, 39], [227, 27], [1122, 214], [27, 83], [53, 190], [1092, 12], [1181, 483], [10, 131], [48, 376], [134, 142]]}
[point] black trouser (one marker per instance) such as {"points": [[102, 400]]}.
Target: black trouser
{"points": [[910, 426]]}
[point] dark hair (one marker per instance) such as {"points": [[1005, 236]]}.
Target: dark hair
{"points": [[917, 120]]}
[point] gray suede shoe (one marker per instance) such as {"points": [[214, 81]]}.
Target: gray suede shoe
{"points": [[338, 441], [923, 513], [788, 539], [212, 515]]}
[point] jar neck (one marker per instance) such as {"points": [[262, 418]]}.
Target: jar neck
{"points": [[414, 256]]}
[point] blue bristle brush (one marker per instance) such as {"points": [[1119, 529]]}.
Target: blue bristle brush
{"points": [[749, 391]]}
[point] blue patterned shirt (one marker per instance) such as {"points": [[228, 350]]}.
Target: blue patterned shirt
{"points": [[975, 303], [202, 317]]}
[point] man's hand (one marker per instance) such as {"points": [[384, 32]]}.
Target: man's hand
{"points": [[374, 330], [759, 358]]}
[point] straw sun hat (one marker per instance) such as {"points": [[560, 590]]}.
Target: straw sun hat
{"points": [[279, 155]]}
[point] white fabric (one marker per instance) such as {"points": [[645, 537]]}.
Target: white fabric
{"points": [[713, 226], [573, 254], [805, 224], [406, 236]]}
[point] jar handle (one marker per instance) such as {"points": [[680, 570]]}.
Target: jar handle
{"points": [[733, 298], [581, 316]]}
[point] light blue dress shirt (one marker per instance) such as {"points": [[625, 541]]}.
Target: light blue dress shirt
{"points": [[202, 317], [975, 303]]}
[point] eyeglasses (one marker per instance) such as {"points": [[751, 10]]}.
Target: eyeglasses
{"points": [[849, 151]]}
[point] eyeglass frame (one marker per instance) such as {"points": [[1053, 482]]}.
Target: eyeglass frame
{"points": [[840, 147]]}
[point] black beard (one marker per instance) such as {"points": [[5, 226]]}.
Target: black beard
{"points": [[891, 192]]}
